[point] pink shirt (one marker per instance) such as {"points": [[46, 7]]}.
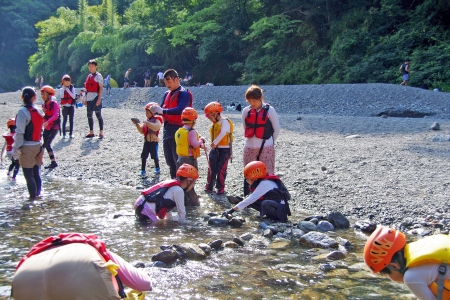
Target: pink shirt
{"points": [[54, 116], [131, 276], [192, 139]]}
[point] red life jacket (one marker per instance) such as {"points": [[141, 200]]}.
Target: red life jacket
{"points": [[9, 139], [257, 123], [90, 84], [280, 193], [171, 101], [67, 99], [49, 107], [33, 130], [152, 120], [155, 194], [64, 239]]}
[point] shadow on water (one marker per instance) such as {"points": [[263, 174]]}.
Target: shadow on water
{"points": [[250, 272]]}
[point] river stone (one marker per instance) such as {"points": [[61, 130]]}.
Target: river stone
{"points": [[230, 244], [338, 220], [217, 221], [239, 241], [235, 223], [366, 226], [325, 226], [247, 236], [160, 264], [307, 226], [344, 242], [267, 233], [166, 256], [216, 244], [280, 244], [319, 240], [206, 218], [326, 267], [297, 232], [206, 248], [435, 126], [192, 251], [336, 255]]}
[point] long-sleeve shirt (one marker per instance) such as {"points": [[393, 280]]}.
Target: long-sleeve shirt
{"points": [[22, 119], [131, 276], [192, 139], [69, 90], [254, 142], [263, 187], [224, 130], [55, 114], [417, 279]]}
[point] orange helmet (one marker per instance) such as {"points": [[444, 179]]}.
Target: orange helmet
{"points": [[381, 246], [189, 113], [188, 171], [150, 104], [11, 122], [48, 89], [65, 76], [213, 107], [255, 170]]}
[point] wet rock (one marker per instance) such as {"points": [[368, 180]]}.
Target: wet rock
{"points": [[265, 226], [315, 221], [247, 236], [206, 248], [166, 256], [297, 233], [216, 244], [267, 233], [235, 223], [206, 218], [160, 264], [344, 242], [307, 226], [192, 251], [420, 231], [338, 220], [325, 226], [234, 199], [280, 244], [441, 138], [319, 240], [326, 267], [310, 218], [230, 244], [216, 221], [5, 225], [336, 255], [239, 241], [366, 226], [139, 265], [435, 126]]}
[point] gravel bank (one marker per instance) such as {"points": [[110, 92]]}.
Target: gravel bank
{"points": [[333, 153]]}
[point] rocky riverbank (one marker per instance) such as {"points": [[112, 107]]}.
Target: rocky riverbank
{"points": [[335, 151]]}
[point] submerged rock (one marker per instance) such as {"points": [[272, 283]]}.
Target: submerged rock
{"points": [[319, 240]]}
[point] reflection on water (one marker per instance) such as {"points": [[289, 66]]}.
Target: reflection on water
{"points": [[250, 272]]}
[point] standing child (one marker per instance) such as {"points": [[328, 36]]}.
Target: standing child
{"points": [[150, 130], [7, 147], [188, 147], [52, 122], [68, 103], [221, 139]]}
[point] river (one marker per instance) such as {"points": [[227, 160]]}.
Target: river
{"points": [[250, 272]]}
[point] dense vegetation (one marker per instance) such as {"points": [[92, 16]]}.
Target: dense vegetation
{"points": [[227, 41]]}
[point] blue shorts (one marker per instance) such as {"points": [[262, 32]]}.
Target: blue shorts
{"points": [[405, 77]]}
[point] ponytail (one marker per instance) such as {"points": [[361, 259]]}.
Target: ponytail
{"points": [[27, 95]]}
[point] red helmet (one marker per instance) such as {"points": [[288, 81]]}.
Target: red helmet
{"points": [[65, 76], [48, 89], [11, 122], [381, 246], [213, 107], [255, 170], [150, 104], [189, 114], [187, 171]]}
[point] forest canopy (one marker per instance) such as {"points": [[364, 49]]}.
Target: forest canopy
{"points": [[227, 42]]}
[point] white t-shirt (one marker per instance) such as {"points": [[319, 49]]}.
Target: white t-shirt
{"points": [[418, 279], [263, 187], [254, 142]]}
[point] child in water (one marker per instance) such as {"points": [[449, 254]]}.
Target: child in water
{"points": [[7, 147], [150, 130], [188, 147]]}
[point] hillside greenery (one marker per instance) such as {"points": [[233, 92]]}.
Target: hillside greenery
{"points": [[227, 42]]}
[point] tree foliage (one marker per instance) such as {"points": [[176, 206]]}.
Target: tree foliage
{"points": [[227, 41]]}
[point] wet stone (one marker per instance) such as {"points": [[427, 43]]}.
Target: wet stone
{"points": [[344, 242], [307, 226], [326, 267], [297, 232], [336, 255], [139, 264], [247, 236], [319, 240], [366, 226], [230, 244], [325, 226], [338, 220], [239, 241], [280, 244], [235, 223], [216, 244], [166, 256], [216, 221], [267, 233], [206, 248], [192, 251]]}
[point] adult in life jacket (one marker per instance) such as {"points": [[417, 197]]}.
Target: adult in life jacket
{"points": [[221, 136], [73, 266], [157, 201], [52, 122], [150, 129], [93, 100], [262, 128], [68, 101], [268, 195], [27, 141], [174, 101], [421, 265]]}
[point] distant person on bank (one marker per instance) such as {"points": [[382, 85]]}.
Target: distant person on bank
{"points": [[404, 69]]}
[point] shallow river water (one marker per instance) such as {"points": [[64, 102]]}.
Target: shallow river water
{"points": [[250, 272]]}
